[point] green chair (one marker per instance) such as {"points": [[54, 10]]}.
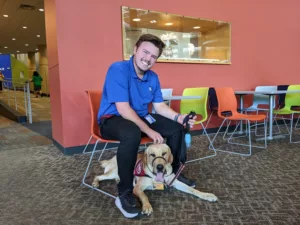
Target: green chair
{"points": [[291, 99], [200, 107]]}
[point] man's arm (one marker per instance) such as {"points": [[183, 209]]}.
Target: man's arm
{"points": [[162, 109]]}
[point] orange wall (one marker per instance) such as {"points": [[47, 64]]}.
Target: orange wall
{"points": [[265, 47]]}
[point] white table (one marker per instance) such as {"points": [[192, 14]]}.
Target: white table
{"points": [[178, 97], [271, 95]]}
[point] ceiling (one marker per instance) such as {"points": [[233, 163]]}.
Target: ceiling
{"points": [[26, 40]]}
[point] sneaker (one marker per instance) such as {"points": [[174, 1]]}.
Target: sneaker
{"points": [[187, 181], [127, 205]]}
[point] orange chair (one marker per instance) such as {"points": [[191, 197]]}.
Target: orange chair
{"points": [[227, 103], [94, 103]]}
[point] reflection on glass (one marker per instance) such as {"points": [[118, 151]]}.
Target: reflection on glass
{"points": [[189, 40]]}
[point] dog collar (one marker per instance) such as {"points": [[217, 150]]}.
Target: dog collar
{"points": [[158, 157]]}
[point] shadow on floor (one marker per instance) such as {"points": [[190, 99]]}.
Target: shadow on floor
{"points": [[43, 128]]}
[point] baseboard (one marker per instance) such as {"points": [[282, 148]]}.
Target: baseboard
{"points": [[11, 113], [79, 149]]}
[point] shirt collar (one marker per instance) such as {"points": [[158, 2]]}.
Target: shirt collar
{"points": [[133, 73]]}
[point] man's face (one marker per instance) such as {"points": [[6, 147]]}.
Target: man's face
{"points": [[145, 57]]}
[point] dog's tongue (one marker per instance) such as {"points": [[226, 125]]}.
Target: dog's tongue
{"points": [[159, 177]]}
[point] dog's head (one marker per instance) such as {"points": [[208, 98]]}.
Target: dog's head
{"points": [[158, 159]]}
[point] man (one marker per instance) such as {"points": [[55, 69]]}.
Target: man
{"points": [[123, 115]]}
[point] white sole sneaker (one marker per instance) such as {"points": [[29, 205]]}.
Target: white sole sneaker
{"points": [[126, 214]]}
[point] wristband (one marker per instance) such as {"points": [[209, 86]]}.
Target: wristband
{"points": [[176, 117]]}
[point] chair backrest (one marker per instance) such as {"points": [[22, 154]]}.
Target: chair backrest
{"points": [[292, 99], [167, 92], [94, 102], [226, 100], [259, 99], [281, 97], [197, 105], [213, 100]]}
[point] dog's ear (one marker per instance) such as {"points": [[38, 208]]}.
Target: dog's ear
{"points": [[145, 156], [170, 155]]}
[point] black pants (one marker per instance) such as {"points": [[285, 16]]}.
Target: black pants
{"points": [[129, 135], [0, 85]]}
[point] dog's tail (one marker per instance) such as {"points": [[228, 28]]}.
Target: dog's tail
{"points": [[104, 163]]}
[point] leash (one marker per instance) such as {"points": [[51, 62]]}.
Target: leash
{"points": [[188, 141], [176, 175], [187, 136]]}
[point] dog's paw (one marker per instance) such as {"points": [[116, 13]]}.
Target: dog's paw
{"points": [[147, 209], [209, 197], [95, 183]]}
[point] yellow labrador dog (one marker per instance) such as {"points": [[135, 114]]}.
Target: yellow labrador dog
{"points": [[153, 169]]}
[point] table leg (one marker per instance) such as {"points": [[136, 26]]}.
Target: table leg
{"points": [[271, 106], [241, 108]]}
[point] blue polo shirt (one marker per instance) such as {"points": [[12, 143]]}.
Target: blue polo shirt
{"points": [[123, 85]]}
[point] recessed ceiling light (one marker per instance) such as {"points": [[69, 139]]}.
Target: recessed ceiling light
{"points": [[197, 27], [5, 15], [5, 46], [36, 49], [26, 44], [168, 24], [136, 19], [41, 10], [13, 39], [25, 27], [18, 51], [152, 21], [38, 35]]}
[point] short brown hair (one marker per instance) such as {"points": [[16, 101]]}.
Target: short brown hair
{"points": [[152, 39]]}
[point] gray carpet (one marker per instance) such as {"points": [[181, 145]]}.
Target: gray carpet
{"points": [[39, 185]]}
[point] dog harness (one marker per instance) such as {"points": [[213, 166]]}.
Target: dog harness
{"points": [[139, 169]]}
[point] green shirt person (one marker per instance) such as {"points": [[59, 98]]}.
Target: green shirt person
{"points": [[37, 83]]}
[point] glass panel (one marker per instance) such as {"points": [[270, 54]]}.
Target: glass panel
{"points": [[188, 40]]}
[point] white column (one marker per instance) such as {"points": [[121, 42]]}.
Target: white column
{"points": [[31, 67]]}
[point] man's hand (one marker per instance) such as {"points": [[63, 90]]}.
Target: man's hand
{"points": [[191, 120], [156, 137]]}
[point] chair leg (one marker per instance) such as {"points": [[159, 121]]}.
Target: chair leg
{"points": [[207, 122], [236, 127], [88, 167], [286, 126], [87, 145], [249, 137], [210, 145], [214, 138], [278, 127], [297, 124], [227, 127], [291, 127]]}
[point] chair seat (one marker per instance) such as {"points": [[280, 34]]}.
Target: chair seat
{"points": [[144, 140], [285, 111], [240, 116]]}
